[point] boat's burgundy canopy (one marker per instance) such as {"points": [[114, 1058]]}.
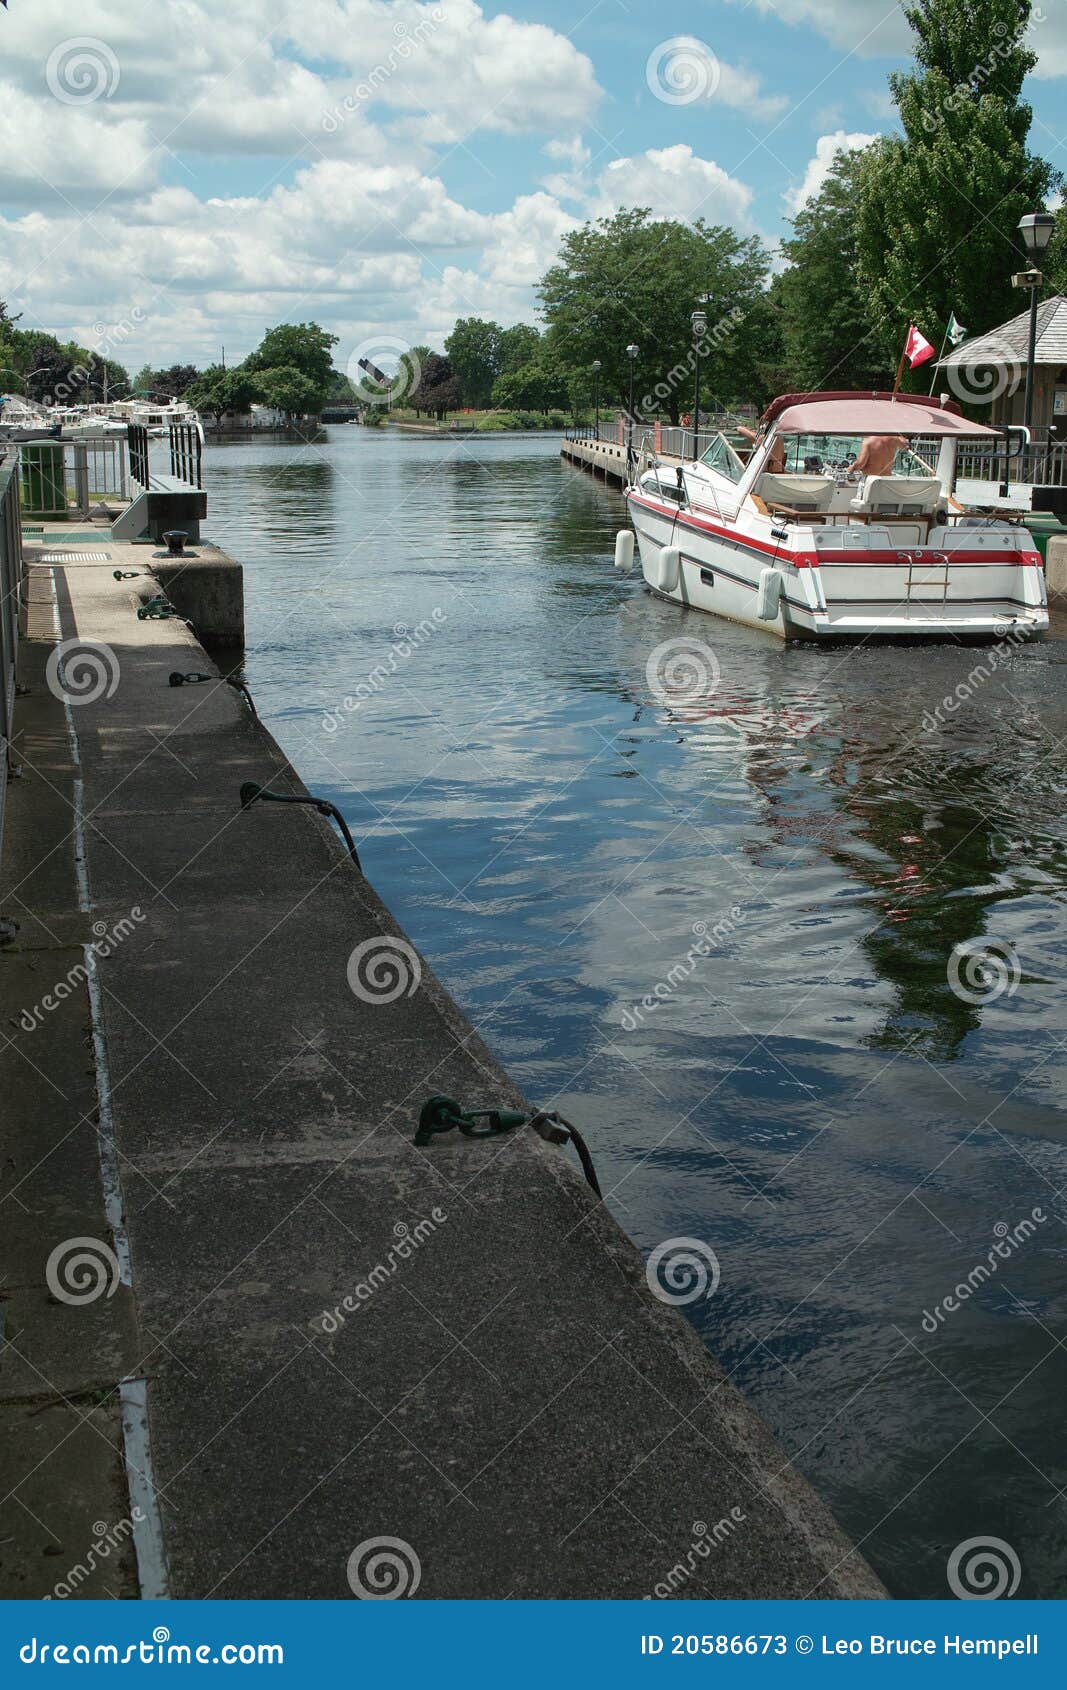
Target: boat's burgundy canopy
{"points": [[869, 413]]}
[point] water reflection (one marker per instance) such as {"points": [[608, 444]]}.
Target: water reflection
{"points": [[812, 1098]]}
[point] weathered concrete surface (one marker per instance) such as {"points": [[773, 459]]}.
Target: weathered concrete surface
{"points": [[64, 1502], [502, 1392], [1056, 566]]}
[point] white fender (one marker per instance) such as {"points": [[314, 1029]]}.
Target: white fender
{"points": [[769, 594], [624, 550], [668, 569]]}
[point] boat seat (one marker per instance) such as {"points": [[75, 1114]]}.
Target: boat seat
{"points": [[796, 493], [899, 495]]}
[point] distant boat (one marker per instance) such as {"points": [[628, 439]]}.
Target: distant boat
{"points": [[798, 543], [22, 421]]}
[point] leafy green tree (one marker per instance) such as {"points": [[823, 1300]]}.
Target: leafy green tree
{"points": [[823, 311], [518, 345], [300, 346], [217, 390], [440, 389], [410, 375], [473, 350], [632, 278], [538, 386], [175, 382], [938, 207], [288, 390]]}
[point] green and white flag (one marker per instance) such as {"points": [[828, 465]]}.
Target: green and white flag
{"points": [[956, 331]]}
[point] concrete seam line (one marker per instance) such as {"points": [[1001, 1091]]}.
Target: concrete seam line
{"points": [[133, 1393]]}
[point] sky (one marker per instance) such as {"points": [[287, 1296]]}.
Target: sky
{"points": [[180, 175]]}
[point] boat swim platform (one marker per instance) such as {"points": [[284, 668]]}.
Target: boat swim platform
{"points": [[320, 1334]]}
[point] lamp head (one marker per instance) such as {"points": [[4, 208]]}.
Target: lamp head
{"points": [[597, 365], [632, 351], [699, 321], [1036, 230]]}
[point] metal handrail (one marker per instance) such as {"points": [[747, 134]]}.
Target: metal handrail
{"points": [[187, 453], [10, 607], [137, 437]]}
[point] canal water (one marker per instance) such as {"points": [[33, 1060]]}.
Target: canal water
{"points": [[788, 945]]}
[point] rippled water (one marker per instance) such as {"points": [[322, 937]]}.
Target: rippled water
{"points": [[801, 1089]]}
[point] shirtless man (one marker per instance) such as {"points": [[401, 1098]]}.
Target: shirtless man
{"points": [[776, 462], [878, 454]]}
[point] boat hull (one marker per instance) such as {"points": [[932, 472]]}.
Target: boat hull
{"points": [[909, 595]]}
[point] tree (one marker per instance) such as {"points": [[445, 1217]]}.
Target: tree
{"points": [[439, 390], [304, 347], [938, 207], [288, 390], [824, 315], [630, 278], [217, 390], [538, 386], [473, 350], [410, 373], [173, 383], [517, 346]]}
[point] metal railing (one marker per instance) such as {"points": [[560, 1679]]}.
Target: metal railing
{"points": [[10, 604], [674, 441], [187, 453], [1038, 465], [137, 441]]}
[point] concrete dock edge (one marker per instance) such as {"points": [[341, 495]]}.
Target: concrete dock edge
{"points": [[349, 1338]]}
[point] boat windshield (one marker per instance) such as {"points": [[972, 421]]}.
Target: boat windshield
{"points": [[825, 454], [721, 456]]}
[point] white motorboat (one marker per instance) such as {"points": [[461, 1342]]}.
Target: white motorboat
{"points": [[796, 542]]}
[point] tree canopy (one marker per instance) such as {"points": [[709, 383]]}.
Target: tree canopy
{"points": [[636, 279], [938, 208]]}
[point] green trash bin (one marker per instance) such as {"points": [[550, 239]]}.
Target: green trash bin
{"points": [[1043, 525], [44, 491]]}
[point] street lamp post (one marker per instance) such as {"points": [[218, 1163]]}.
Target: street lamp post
{"points": [[631, 353], [597, 367], [1036, 230], [699, 321]]}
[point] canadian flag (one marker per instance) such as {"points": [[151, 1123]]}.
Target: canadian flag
{"points": [[917, 348]]}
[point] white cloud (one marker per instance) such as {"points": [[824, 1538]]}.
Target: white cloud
{"points": [[674, 182], [872, 28], [110, 214], [742, 89], [826, 150]]}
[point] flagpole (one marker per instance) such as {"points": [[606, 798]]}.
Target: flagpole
{"points": [[941, 354], [900, 368]]}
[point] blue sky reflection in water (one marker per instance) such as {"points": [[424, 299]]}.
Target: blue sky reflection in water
{"points": [[849, 1134]]}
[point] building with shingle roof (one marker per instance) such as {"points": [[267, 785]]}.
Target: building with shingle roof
{"points": [[993, 366]]}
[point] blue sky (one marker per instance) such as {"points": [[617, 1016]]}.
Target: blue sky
{"points": [[179, 174]]}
